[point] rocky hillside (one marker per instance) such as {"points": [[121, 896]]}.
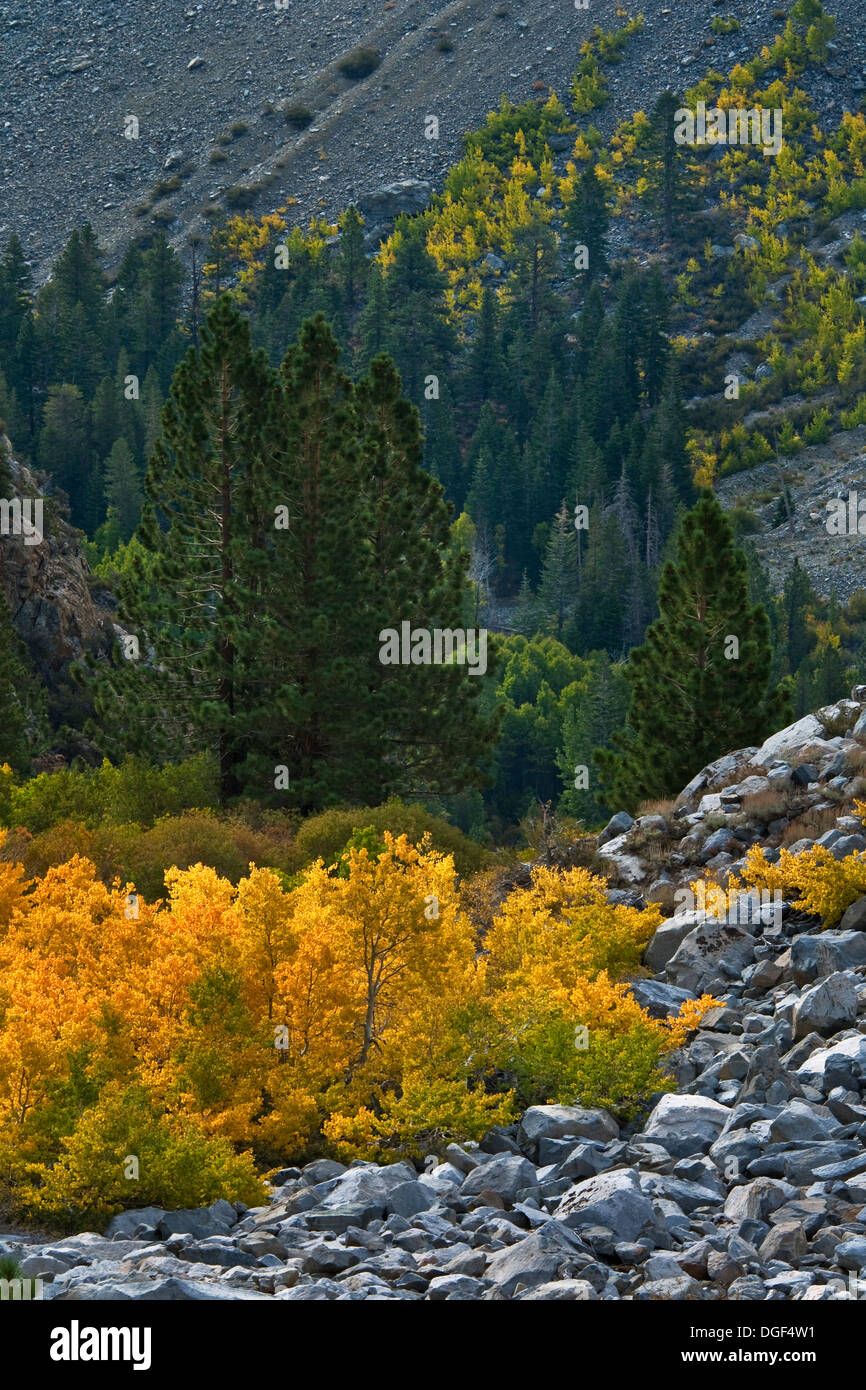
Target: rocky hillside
{"points": [[59, 610], [210, 85], [749, 1183]]}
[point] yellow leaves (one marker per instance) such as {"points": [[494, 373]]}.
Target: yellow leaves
{"points": [[688, 1019], [12, 887], [355, 1007], [826, 887], [704, 463]]}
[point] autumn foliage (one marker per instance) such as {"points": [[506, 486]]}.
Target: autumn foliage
{"points": [[223, 1029]]}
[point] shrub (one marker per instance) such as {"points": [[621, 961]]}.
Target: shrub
{"points": [[724, 26], [298, 116], [133, 791], [361, 62], [217, 156], [226, 846], [241, 195], [178, 1165], [166, 186], [324, 836], [826, 887], [445, 44]]}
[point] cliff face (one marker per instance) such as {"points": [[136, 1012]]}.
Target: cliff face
{"points": [[58, 611]]}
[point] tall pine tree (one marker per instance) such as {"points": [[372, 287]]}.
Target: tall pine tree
{"points": [[701, 681]]}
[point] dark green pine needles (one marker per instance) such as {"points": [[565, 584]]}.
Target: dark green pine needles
{"points": [[288, 521], [701, 681]]}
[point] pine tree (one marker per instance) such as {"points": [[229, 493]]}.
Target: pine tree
{"points": [[351, 258], [64, 449], [194, 609], [157, 309], [798, 597], [373, 325], [665, 170], [122, 487], [700, 682], [484, 366], [435, 731], [16, 296], [420, 338], [587, 222], [597, 711], [560, 577]]}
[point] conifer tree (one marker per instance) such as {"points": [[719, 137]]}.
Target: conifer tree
{"points": [[560, 577], [122, 487], [16, 296], [373, 325], [193, 610], [587, 221], [351, 259], [700, 683], [665, 169], [419, 336]]}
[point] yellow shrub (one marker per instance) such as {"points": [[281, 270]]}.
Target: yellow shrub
{"points": [[825, 886]]}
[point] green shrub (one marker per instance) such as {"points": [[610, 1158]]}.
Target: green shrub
{"points": [[178, 1165], [133, 791], [194, 838], [725, 26], [240, 195], [361, 62], [298, 116], [326, 835]]}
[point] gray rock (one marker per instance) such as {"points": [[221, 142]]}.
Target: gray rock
{"points": [[537, 1259], [679, 1114], [408, 1198], [506, 1175], [659, 1000], [215, 1220], [758, 1199], [392, 199], [614, 1200], [126, 1223], [617, 825], [800, 1120], [677, 1290], [786, 1241], [321, 1169], [668, 937], [454, 1288], [564, 1122], [848, 1052], [711, 948], [826, 1007], [562, 1291], [813, 956], [854, 918], [339, 1218], [851, 1254]]}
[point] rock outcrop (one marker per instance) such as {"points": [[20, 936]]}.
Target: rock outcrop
{"points": [[58, 610]]}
